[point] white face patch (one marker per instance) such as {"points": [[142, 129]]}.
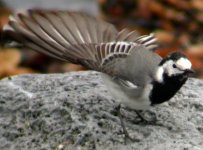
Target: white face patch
{"points": [[159, 74], [183, 64], [167, 68]]}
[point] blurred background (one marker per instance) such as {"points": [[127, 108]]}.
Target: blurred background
{"points": [[178, 25]]}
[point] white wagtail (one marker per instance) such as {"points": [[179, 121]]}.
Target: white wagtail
{"points": [[134, 74]]}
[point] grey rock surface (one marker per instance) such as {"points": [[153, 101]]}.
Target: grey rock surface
{"points": [[74, 111]]}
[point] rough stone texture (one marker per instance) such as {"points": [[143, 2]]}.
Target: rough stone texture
{"points": [[75, 111]]}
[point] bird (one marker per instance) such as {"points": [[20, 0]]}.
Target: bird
{"points": [[132, 71]]}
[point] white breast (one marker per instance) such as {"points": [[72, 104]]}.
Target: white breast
{"points": [[139, 103]]}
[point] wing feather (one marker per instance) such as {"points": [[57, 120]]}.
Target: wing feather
{"points": [[109, 52], [149, 41], [126, 35], [79, 38]]}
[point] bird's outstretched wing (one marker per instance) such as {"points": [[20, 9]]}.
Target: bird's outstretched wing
{"points": [[75, 37], [149, 41]]}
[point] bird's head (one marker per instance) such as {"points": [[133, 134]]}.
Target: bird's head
{"points": [[174, 65]]}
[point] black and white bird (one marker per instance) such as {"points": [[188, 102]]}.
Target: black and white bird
{"points": [[134, 74]]}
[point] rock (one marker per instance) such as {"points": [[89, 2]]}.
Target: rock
{"points": [[75, 111]]}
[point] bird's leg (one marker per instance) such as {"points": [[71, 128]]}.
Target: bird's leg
{"points": [[144, 120], [127, 136]]}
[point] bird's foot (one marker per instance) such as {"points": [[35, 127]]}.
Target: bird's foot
{"points": [[144, 120], [128, 138]]}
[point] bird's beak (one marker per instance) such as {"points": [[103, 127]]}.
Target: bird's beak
{"points": [[189, 71]]}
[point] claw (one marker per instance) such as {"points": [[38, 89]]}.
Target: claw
{"points": [[144, 120], [125, 132]]}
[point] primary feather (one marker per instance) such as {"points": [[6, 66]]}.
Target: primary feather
{"points": [[82, 39]]}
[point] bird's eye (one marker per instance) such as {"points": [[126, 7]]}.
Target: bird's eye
{"points": [[174, 66]]}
